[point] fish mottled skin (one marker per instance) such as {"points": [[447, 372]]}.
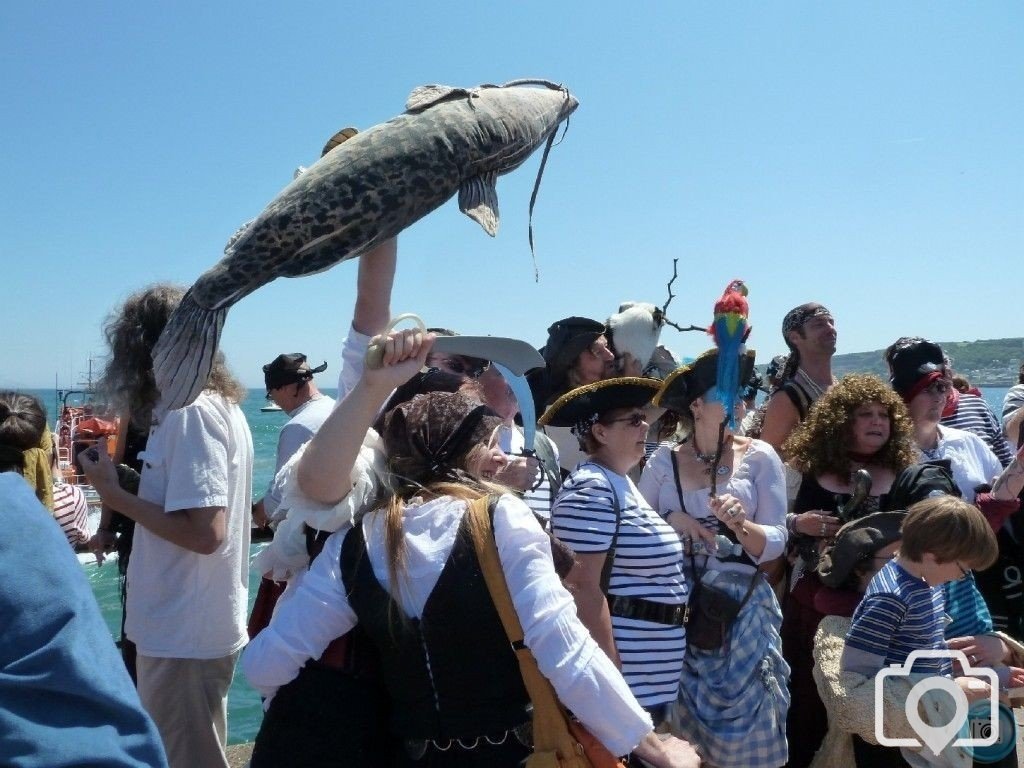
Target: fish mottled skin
{"points": [[358, 195]]}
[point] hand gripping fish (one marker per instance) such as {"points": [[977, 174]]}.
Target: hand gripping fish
{"points": [[362, 192]]}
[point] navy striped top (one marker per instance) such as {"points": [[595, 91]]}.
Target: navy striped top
{"points": [[900, 614], [648, 563]]}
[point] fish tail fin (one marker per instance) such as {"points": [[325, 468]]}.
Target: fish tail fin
{"points": [[184, 354]]}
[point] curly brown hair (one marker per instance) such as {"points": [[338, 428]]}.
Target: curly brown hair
{"points": [[132, 330], [819, 446]]}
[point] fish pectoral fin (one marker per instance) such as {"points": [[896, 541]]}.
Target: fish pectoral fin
{"points": [[426, 96], [478, 199]]}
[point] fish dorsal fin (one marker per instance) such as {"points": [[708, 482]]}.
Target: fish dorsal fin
{"points": [[338, 139], [478, 199], [426, 96]]}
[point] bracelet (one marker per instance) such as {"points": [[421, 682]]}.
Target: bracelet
{"points": [[791, 523]]}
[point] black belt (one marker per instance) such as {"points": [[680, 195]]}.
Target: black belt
{"points": [[417, 748], [647, 610]]}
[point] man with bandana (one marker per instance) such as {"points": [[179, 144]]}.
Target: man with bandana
{"points": [[290, 385], [810, 333]]}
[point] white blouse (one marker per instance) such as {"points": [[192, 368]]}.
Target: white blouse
{"points": [[758, 481], [584, 678]]}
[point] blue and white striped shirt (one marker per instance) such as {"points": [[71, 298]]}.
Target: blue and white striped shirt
{"points": [[898, 615], [648, 563]]}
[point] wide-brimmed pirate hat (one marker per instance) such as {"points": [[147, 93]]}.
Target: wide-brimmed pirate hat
{"points": [[915, 366], [857, 542], [686, 384], [580, 408], [289, 369]]}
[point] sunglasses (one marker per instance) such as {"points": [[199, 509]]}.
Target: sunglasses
{"points": [[634, 420]]}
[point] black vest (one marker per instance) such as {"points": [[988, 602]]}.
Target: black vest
{"points": [[473, 685]]}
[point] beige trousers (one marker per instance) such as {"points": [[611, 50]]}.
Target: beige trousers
{"points": [[187, 699]]}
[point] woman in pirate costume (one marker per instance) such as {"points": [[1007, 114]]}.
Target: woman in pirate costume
{"points": [[725, 495], [628, 581], [408, 574], [859, 426]]}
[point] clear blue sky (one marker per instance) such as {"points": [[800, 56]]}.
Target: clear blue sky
{"points": [[869, 155]]}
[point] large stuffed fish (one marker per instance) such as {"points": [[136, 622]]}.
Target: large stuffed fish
{"points": [[360, 193], [730, 330]]}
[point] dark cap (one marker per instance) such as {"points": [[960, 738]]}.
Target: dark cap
{"points": [[567, 338], [856, 542], [916, 366], [289, 369], [686, 384]]}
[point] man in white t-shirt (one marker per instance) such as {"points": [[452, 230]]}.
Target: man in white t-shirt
{"points": [[188, 574], [290, 386]]}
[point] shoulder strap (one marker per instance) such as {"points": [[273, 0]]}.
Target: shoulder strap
{"points": [[800, 399], [550, 730], [606, 569], [675, 474]]}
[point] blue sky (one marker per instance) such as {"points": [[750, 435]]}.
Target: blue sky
{"points": [[866, 155]]}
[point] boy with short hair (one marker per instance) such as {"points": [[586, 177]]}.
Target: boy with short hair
{"points": [[903, 610]]}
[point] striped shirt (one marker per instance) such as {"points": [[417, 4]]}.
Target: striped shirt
{"points": [[648, 563], [71, 511], [972, 414], [968, 614], [898, 615]]}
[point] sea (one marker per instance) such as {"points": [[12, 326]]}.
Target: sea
{"points": [[244, 707]]}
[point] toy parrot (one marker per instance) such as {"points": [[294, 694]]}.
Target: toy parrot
{"points": [[729, 329]]}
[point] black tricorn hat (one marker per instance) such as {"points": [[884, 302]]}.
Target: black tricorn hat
{"points": [[289, 369], [686, 384], [856, 542], [584, 403]]}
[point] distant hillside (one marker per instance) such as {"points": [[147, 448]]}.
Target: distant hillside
{"points": [[989, 363]]}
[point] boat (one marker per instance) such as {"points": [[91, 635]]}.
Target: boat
{"points": [[81, 423], [270, 408]]}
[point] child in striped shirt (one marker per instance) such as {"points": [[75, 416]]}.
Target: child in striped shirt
{"points": [[903, 609]]}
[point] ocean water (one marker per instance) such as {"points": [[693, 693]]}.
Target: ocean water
{"points": [[244, 709]]}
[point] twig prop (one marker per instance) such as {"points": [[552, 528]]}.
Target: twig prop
{"points": [[664, 309]]}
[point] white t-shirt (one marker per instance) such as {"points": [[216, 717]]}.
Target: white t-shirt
{"points": [[302, 424], [182, 604], [972, 462]]}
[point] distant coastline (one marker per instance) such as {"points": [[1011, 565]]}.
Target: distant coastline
{"points": [[985, 363]]}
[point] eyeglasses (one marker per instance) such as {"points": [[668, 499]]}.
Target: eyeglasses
{"points": [[938, 387], [634, 419]]}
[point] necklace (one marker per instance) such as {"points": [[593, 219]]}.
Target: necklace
{"points": [[813, 388], [707, 459]]}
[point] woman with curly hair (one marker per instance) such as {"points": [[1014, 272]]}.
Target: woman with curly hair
{"points": [[859, 424]]}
